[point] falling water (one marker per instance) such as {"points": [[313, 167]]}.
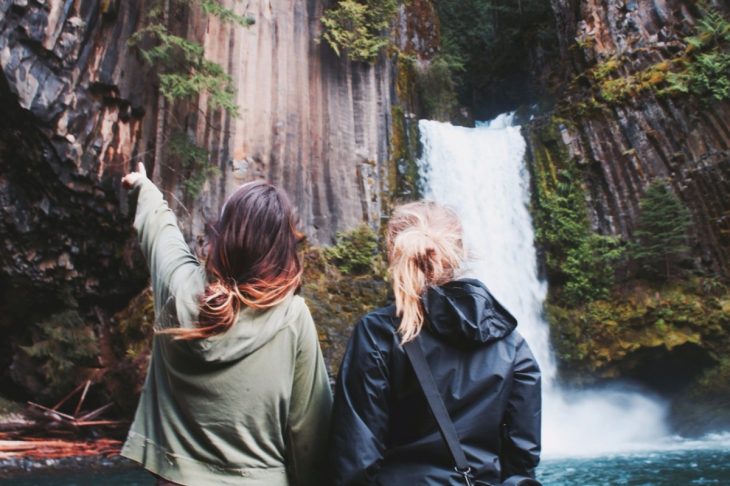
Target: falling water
{"points": [[480, 173]]}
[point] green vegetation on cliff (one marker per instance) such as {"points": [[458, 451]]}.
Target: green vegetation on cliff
{"points": [[579, 263], [596, 338], [616, 306], [701, 68], [180, 64], [183, 74], [359, 28]]}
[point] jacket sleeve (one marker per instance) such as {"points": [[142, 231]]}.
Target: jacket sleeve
{"points": [[310, 409], [176, 274], [361, 414], [520, 452]]}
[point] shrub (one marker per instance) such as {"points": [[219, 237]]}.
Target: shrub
{"points": [[589, 268], [354, 251]]}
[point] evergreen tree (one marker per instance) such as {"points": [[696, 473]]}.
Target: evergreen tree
{"points": [[661, 231]]}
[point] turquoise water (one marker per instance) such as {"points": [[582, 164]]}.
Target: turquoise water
{"points": [[676, 467]]}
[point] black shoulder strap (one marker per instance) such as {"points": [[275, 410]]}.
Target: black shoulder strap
{"points": [[436, 403]]}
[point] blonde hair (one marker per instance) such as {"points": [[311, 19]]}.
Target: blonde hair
{"points": [[425, 248]]}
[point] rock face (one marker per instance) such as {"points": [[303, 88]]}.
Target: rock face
{"points": [[83, 111], [80, 109], [617, 125], [626, 142], [311, 122]]}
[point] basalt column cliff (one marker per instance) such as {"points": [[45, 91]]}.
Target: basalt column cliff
{"points": [[80, 107]]}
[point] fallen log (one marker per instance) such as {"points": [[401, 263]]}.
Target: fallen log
{"points": [[35, 448]]}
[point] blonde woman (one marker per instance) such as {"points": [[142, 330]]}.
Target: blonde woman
{"points": [[383, 428]]}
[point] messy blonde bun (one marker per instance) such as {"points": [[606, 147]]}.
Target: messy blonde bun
{"points": [[425, 248]]}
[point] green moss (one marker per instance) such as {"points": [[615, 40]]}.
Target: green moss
{"points": [[594, 338], [403, 176], [603, 69]]}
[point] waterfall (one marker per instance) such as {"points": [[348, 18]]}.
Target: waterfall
{"points": [[481, 174]]}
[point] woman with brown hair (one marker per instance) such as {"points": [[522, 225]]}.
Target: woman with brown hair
{"points": [[237, 391], [439, 388]]}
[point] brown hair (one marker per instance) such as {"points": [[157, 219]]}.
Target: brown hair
{"points": [[252, 259], [425, 248]]}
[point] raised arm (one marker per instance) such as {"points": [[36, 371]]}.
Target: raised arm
{"points": [[360, 414], [175, 272], [520, 452], [311, 405]]}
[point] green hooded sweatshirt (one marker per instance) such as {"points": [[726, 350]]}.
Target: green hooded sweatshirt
{"points": [[250, 406]]}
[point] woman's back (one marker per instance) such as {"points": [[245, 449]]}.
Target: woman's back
{"points": [[249, 405], [484, 371]]}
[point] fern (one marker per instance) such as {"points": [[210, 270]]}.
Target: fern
{"points": [[359, 28]]}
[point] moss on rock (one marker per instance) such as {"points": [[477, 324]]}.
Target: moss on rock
{"points": [[599, 338]]}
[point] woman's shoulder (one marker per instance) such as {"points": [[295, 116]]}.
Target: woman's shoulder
{"points": [[379, 328]]}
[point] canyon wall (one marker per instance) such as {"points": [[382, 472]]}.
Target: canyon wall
{"points": [[80, 109], [628, 138]]}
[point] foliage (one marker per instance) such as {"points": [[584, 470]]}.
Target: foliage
{"points": [[437, 86], [180, 64], [661, 230], [702, 69], [359, 27], [596, 336], [589, 268], [708, 75], [194, 160], [493, 41], [580, 263], [61, 345], [354, 251]]}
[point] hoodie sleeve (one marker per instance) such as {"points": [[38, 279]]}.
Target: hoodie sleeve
{"points": [[311, 405], [176, 274], [360, 414], [520, 452]]}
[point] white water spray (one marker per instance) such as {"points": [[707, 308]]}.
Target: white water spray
{"points": [[480, 173]]}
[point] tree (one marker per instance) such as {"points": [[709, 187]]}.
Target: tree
{"points": [[661, 231], [183, 73]]}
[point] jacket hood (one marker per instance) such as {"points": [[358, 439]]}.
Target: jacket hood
{"points": [[253, 329], [465, 312]]}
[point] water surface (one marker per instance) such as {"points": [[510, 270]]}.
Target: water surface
{"points": [[660, 468]]}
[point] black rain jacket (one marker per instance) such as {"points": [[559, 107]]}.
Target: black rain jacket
{"points": [[383, 432]]}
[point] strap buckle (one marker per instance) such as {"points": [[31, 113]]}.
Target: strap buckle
{"points": [[466, 473]]}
